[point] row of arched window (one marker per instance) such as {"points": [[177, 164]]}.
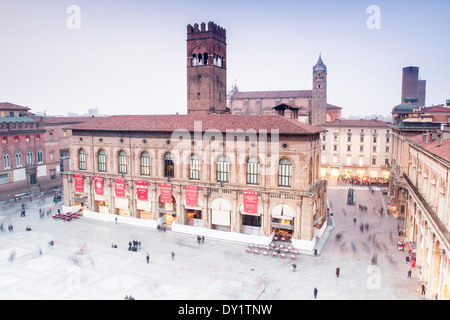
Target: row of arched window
{"points": [[222, 171], [202, 60], [7, 161]]}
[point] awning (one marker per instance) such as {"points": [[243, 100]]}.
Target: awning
{"points": [[283, 211], [408, 246]]}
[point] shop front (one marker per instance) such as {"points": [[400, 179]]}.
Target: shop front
{"points": [[251, 221], [143, 203], [282, 222], [167, 211], [167, 205], [348, 173], [193, 206]]}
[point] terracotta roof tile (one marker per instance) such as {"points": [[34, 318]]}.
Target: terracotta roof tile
{"points": [[439, 108], [221, 122], [11, 106], [356, 123], [442, 151]]}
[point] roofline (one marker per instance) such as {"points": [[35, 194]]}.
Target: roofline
{"points": [[433, 155]]}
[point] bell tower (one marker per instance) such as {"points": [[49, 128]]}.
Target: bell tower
{"points": [[206, 69], [318, 112]]}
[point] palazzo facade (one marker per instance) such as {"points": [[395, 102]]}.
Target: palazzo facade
{"points": [[427, 222], [235, 177]]}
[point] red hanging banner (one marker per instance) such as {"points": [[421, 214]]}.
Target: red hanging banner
{"points": [[251, 201], [120, 187], [79, 183], [141, 190], [166, 193], [98, 185], [191, 196]]}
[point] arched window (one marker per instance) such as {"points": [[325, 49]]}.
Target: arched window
{"points": [[6, 163], [101, 160], [194, 167], [145, 163], [284, 173], [29, 158], [252, 170], [223, 169], [40, 156], [168, 165], [82, 159], [122, 162], [18, 159], [205, 58]]}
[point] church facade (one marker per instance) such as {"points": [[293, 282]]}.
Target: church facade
{"points": [[310, 106]]}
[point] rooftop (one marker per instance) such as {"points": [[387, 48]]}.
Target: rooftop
{"points": [[11, 106], [441, 149], [220, 122], [356, 123]]}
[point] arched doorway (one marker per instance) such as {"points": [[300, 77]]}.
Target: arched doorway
{"points": [[251, 222], [221, 214], [167, 211], [282, 222]]}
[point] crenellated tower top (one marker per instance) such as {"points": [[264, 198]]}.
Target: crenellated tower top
{"points": [[198, 31]]}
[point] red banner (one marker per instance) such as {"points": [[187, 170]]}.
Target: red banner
{"points": [[141, 190], [251, 201], [166, 193], [98, 185], [120, 187], [191, 196], [79, 183]]}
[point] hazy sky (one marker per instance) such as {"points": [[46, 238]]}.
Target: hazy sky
{"points": [[129, 57]]}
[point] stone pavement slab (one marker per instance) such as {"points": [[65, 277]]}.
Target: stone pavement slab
{"points": [[215, 270]]}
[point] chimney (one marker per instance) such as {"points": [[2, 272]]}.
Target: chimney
{"points": [[438, 138], [424, 137]]}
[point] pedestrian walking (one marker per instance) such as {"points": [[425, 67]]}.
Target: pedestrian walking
{"points": [[147, 258], [203, 239], [409, 273], [423, 289], [294, 267], [338, 271], [315, 293], [173, 255]]}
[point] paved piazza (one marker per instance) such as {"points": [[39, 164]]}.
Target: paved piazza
{"points": [[214, 270]]}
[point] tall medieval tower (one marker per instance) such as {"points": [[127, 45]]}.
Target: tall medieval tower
{"points": [[206, 69], [318, 112]]}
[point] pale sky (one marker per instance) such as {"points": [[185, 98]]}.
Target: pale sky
{"points": [[129, 57]]}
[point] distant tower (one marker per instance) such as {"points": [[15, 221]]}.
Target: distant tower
{"points": [[422, 92], [318, 112], [410, 83], [206, 69]]}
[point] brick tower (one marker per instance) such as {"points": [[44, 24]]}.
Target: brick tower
{"points": [[318, 112], [206, 69]]}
